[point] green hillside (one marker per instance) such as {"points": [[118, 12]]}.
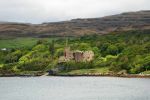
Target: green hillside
{"points": [[115, 52]]}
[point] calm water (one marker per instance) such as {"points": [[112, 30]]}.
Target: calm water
{"points": [[74, 88]]}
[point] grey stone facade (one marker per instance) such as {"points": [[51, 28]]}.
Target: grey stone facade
{"points": [[78, 56]]}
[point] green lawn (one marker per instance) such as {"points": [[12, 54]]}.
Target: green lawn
{"points": [[17, 42], [20, 42]]}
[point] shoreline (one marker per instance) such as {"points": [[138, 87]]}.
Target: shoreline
{"points": [[123, 76], [84, 75]]}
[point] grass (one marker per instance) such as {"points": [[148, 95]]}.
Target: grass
{"points": [[87, 71], [20, 42], [146, 72], [17, 42]]}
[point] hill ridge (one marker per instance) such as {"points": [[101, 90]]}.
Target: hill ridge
{"points": [[77, 27]]}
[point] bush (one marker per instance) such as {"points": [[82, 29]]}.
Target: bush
{"points": [[40, 48], [72, 65], [34, 65], [13, 57], [112, 50]]}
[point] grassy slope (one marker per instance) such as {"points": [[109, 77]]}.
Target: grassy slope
{"points": [[20, 42], [29, 42], [17, 42], [102, 70]]}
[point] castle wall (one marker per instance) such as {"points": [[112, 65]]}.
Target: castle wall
{"points": [[78, 56]]}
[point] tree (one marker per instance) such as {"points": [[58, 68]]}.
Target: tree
{"points": [[52, 48], [41, 41], [59, 52], [112, 49], [13, 57], [103, 48]]}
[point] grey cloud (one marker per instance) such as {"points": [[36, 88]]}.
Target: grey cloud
{"points": [[37, 11]]}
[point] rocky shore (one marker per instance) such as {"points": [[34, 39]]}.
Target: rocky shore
{"points": [[79, 75], [33, 74], [106, 75]]}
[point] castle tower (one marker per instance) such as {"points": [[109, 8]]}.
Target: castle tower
{"points": [[68, 54]]}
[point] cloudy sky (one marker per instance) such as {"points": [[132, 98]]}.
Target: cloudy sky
{"points": [[38, 11]]}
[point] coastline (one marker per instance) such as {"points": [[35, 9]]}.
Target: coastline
{"points": [[79, 75], [106, 75]]}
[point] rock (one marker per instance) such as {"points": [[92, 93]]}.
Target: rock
{"points": [[122, 72]]}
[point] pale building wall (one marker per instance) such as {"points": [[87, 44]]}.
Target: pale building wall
{"points": [[88, 55]]}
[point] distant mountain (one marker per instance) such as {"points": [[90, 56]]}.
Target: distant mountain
{"points": [[122, 22]]}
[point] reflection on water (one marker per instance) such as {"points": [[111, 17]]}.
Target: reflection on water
{"points": [[74, 88]]}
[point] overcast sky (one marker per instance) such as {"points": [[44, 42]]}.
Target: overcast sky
{"points": [[38, 11]]}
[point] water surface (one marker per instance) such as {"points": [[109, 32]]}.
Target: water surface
{"points": [[74, 88]]}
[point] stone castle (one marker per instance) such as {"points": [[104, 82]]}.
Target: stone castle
{"points": [[77, 56]]}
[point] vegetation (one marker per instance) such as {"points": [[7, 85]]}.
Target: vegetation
{"points": [[102, 70], [115, 52]]}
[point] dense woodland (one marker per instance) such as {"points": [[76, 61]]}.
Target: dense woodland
{"points": [[125, 51]]}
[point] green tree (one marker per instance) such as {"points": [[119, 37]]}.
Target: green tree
{"points": [[52, 48], [113, 50]]}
